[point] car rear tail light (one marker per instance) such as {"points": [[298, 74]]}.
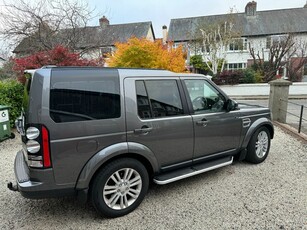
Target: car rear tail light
{"points": [[46, 149], [37, 147], [35, 164]]}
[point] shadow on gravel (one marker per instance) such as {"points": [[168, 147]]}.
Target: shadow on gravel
{"points": [[204, 178]]}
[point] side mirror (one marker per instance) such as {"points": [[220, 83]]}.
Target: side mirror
{"points": [[231, 105]]}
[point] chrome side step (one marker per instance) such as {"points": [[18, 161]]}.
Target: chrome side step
{"points": [[195, 170]]}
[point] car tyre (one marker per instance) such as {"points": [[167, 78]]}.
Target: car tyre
{"points": [[259, 146], [119, 187]]}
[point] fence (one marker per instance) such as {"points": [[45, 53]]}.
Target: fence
{"points": [[296, 108]]}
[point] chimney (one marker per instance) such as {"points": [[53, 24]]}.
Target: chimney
{"points": [[250, 8], [164, 34], [104, 22]]}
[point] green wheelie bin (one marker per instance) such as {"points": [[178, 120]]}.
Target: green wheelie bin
{"points": [[5, 129]]}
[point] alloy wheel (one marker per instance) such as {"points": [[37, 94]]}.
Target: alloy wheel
{"points": [[122, 188], [262, 144]]}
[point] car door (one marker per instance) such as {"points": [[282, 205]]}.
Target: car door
{"points": [[217, 131], [158, 119]]}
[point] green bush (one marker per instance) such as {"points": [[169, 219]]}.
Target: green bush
{"points": [[249, 76], [252, 76], [11, 94], [232, 77], [259, 77], [228, 77]]}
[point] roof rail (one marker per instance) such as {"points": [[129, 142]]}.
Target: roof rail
{"points": [[48, 66]]}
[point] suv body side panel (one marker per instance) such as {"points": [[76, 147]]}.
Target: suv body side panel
{"points": [[35, 183], [142, 150], [40, 86], [221, 132], [171, 137], [72, 144], [253, 117], [110, 152], [263, 121], [69, 161]]}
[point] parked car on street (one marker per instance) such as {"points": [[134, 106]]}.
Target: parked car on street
{"points": [[104, 134]]}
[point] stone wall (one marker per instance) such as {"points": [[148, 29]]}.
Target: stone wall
{"points": [[251, 91]]}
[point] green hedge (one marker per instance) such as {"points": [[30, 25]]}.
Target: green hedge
{"points": [[11, 94], [232, 77]]}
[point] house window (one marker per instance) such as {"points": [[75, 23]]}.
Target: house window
{"points": [[238, 44], [184, 46], [104, 51], [268, 42], [176, 45], [236, 66], [244, 43], [275, 40], [305, 70], [196, 48]]}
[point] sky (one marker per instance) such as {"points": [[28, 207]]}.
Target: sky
{"points": [[160, 12]]}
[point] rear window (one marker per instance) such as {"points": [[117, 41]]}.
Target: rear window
{"points": [[75, 98]]}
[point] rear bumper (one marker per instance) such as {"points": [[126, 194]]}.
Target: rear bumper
{"points": [[36, 183]]}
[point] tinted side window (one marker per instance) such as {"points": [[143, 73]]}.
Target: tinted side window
{"points": [[144, 110], [158, 98], [84, 99], [204, 97]]}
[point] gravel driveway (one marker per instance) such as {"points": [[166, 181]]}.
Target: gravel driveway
{"points": [[271, 195]]}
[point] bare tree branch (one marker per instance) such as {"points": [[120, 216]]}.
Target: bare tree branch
{"points": [[41, 22], [215, 39], [280, 53]]}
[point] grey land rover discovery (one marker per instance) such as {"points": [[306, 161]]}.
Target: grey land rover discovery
{"points": [[104, 134]]}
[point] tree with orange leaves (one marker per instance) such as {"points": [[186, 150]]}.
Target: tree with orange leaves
{"points": [[142, 53]]}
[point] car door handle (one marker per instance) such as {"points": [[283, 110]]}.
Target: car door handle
{"points": [[143, 130], [203, 122]]}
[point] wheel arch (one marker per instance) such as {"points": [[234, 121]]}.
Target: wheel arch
{"points": [[262, 122], [111, 153]]}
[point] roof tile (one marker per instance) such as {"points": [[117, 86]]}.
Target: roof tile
{"points": [[264, 23]]}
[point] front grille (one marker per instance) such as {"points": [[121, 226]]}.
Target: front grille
{"points": [[21, 168]]}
